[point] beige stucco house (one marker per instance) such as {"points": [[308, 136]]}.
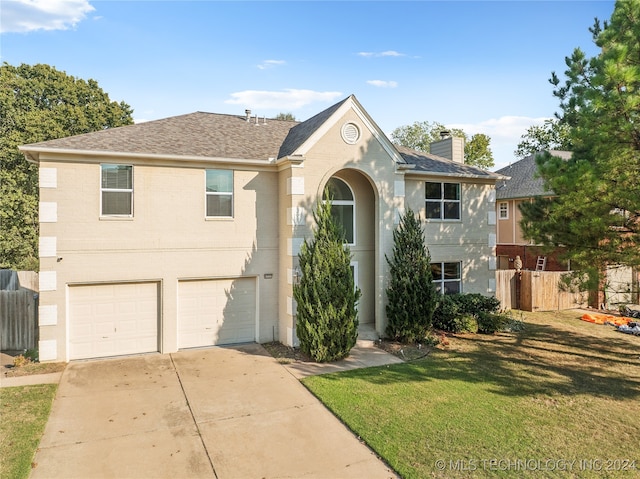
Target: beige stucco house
{"points": [[184, 232]]}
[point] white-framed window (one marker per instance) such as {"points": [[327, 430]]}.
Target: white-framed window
{"points": [[354, 273], [343, 207], [219, 193], [503, 210], [447, 276], [116, 190], [442, 201]]}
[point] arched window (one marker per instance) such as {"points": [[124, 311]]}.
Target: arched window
{"points": [[343, 207]]}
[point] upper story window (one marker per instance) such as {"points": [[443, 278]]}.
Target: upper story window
{"points": [[447, 277], [116, 190], [442, 200], [343, 207], [219, 193], [503, 210]]}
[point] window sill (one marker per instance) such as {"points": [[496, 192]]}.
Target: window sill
{"points": [[219, 218], [115, 218]]}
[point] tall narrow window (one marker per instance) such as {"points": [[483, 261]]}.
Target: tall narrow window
{"points": [[116, 190], [447, 277], [342, 207], [442, 201], [503, 210], [219, 193]]}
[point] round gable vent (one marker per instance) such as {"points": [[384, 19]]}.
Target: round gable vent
{"points": [[350, 133]]}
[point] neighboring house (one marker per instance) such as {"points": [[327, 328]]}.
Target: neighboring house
{"points": [[523, 185], [184, 232]]}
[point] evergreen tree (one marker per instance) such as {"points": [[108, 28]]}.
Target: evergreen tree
{"points": [[411, 294], [39, 103], [327, 323], [595, 214]]}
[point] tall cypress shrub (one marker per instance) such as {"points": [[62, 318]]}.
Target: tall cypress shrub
{"points": [[411, 294], [327, 323]]}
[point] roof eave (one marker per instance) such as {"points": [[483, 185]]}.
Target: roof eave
{"points": [[457, 175], [33, 155]]}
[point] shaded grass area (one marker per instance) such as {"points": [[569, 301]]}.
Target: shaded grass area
{"points": [[559, 399], [24, 412]]}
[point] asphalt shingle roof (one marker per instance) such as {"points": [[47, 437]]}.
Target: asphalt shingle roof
{"points": [[524, 182], [197, 134], [301, 132], [428, 163], [213, 135]]}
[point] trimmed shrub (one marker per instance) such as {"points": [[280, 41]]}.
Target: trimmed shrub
{"points": [[457, 313], [490, 323], [446, 315], [475, 303], [468, 323]]}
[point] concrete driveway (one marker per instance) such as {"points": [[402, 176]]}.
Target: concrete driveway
{"points": [[208, 413]]}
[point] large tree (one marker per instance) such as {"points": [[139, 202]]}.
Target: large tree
{"points": [[38, 103], [551, 135], [421, 134], [595, 214]]}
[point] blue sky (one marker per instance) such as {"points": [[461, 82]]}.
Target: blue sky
{"points": [[482, 66]]}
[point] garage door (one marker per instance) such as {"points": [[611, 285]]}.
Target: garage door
{"points": [[216, 312], [113, 319]]}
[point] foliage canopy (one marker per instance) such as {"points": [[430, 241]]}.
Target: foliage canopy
{"points": [[551, 135], [421, 134]]}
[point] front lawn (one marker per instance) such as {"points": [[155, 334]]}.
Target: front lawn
{"points": [[24, 412], [559, 399]]}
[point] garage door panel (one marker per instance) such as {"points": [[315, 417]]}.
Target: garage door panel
{"points": [[112, 319], [216, 312]]}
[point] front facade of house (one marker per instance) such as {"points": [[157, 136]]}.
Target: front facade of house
{"points": [[184, 232]]}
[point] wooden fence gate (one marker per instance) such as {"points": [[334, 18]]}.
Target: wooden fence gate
{"points": [[19, 314], [535, 291]]}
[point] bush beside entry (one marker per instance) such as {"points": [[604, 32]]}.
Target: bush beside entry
{"points": [[469, 313], [412, 296], [326, 296]]}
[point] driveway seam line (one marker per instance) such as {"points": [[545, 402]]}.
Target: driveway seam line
{"points": [[186, 398]]}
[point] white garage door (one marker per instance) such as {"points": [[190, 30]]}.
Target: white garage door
{"points": [[216, 312], [113, 319]]}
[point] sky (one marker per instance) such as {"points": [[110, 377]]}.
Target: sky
{"points": [[482, 66]]}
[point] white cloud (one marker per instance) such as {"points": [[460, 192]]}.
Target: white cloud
{"points": [[505, 133], [271, 63], [506, 127], [383, 83], [31, 15], [289, 99], [388, 53]]}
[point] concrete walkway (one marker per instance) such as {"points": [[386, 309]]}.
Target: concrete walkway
{"points": [[227, 412]]}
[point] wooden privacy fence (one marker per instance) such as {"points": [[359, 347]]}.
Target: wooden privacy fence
{"points": [[535, 291], [19, 315]]}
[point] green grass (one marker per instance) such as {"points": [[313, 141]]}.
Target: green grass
{"points": [[23, 414], [522, 404]]}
